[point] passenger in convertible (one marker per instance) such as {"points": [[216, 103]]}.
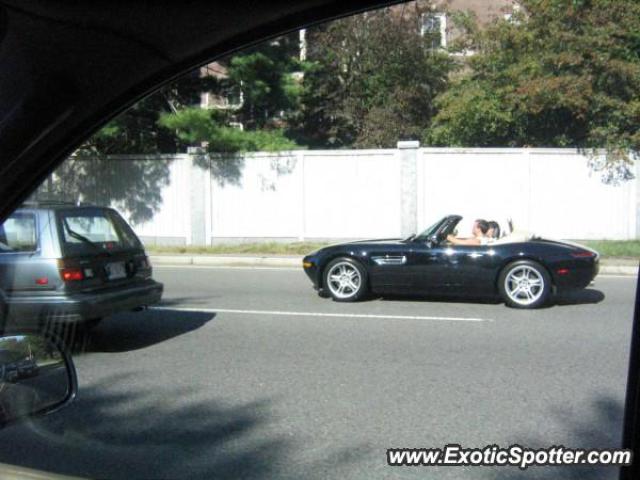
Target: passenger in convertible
{"points": [[494, 230], [479, 232]]}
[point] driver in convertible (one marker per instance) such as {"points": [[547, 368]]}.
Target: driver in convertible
{"points": [[479, 232]]}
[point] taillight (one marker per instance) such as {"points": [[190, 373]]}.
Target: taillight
{"points": [[583, 254], [42, 281], [141, 266], [72, 274]]}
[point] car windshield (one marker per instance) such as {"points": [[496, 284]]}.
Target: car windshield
{"points": [[428, 232], [85, 231]]}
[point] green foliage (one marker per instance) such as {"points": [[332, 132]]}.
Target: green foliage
{"points": [[192, 125], [615, 248], [264, 74], [196, 126], [168, 122], [265, 248], [560, 73], [370, 80], [136, 131], [471, 116], [268, 91]]}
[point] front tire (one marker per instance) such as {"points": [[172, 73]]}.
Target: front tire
{"points": [[345, 279], [524, 284]]}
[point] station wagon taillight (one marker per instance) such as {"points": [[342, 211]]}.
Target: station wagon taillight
{"points": [[72, 274], [143, 262]]}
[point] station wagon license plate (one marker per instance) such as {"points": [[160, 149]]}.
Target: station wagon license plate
{"points": [[115, 270]]}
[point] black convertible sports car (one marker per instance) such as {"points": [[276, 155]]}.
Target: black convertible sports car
{"points": [[523, 270]]}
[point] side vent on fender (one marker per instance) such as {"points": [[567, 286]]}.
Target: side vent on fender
{"points": [[390, 260]]}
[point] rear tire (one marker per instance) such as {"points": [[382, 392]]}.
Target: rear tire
{"points": [[322, 293], [345, 279], [524, 284]]}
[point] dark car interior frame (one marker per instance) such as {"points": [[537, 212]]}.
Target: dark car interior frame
{"points": [[69, 67]]}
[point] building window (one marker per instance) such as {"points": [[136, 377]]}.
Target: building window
{"points": [[434, 27]]}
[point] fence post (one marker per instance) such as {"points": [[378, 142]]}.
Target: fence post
{"points": [[197, 196], [302, 232], [408, 154]]}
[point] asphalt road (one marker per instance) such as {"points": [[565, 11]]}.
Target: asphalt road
{"points": [[247, 373]]}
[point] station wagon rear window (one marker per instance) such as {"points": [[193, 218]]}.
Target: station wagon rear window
{"points": [[89, 231], [18, 233]]}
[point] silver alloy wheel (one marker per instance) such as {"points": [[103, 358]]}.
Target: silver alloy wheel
{"points": [[344, 280], [524, 285]]}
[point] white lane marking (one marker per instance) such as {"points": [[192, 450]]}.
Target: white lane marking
{"points": [[211, 267], [319, 314]]}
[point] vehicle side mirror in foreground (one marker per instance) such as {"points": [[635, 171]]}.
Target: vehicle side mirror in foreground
{"points": [[37, 376]]}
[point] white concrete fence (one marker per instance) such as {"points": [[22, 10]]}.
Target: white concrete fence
{"points": [[348, 194]]}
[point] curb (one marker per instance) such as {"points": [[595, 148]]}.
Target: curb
{"points": [[226, 261], [289, 262], [618, 270]]}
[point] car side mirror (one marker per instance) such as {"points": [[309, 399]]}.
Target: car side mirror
{"points": [[37, 377]]}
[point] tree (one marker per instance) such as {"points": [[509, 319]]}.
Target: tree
{"points": [[168, 122], [208, 129], [371, 80], [196, 126], [264, 75], [134, 186], [559, 73], [136, 131]]}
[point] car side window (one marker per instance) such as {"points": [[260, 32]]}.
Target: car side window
{"points": [[125, 232], [19, 233]]}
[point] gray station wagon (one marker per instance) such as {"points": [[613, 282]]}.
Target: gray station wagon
{"points": [[61, 262]]}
